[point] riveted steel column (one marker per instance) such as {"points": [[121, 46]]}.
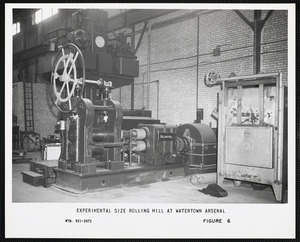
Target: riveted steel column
{"points": [[257, 41]]}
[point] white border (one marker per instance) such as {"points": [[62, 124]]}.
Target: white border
{"points": [[45, 220]]}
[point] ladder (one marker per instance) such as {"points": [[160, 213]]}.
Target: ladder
{"points": [[30, 139], [28, 104]]}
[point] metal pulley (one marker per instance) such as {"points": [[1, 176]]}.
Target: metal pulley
{"points": [[211, 78]]}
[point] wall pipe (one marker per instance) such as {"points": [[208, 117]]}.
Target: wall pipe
{"points": [[161, 24], [132, 84], [148, 67], [143, 94], [157, 101], [210, 53], [197, 66]]}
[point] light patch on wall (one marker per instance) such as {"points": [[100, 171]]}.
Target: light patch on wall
{"points": [[43, 14], [16, 28]]}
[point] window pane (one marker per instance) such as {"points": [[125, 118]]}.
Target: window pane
{"points": [[18, 27], [47, 12], [44, 13], [14, 29], [54, 11], [38, 16]]}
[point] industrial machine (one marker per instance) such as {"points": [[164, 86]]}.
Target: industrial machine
{"points": [[201, 151], [96, 153], [193, 145], [252, 130]]}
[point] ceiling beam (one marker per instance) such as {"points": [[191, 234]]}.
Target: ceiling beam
{"points": [[20, 14], [134, 16]]}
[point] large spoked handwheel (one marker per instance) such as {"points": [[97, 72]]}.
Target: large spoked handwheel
{"points": [[67, 81], [211, 78]]}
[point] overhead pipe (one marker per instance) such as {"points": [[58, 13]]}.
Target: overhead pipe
{"points": [[135, 16], [176, 19]]}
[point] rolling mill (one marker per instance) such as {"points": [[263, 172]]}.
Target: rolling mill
{"points": [[96, 153], [106, 100], [150, 120]]}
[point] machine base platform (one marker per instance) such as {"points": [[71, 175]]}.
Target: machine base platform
{"points": [[46, 168], [105, 179], [33, 178]]}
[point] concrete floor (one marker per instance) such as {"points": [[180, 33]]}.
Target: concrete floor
{"points": [[179, 190]]}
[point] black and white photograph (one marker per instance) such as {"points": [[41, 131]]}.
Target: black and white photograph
{"points": [[150, 121]]}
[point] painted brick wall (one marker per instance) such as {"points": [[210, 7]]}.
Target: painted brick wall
{"points": [[274, 44], [18, 104], [174, 64], [173, 61], [227, 29], [45, 113]]}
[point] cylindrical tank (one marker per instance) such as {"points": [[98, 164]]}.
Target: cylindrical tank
{"points": [[139, 134], [138, 145]]}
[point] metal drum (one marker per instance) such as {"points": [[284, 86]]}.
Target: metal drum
{"points": [[201, 156]]}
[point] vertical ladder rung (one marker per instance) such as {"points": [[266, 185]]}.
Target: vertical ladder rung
{"points": [[28, 105]]}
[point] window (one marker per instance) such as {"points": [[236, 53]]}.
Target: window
{"points": [[16, 28], [43, 14]]}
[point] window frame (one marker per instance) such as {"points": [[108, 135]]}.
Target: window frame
{"points": [[16, 28], [54, 11]]}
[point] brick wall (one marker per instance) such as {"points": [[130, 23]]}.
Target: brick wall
{"points": [[45, 113], [18, 104], [274, 45], [174, 62]]}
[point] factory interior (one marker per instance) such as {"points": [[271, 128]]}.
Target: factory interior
{"points": [[149, 105]]}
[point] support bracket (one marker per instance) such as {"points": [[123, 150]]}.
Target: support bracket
{"points": [[141, 37], [257, 26], [251, 24]]}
